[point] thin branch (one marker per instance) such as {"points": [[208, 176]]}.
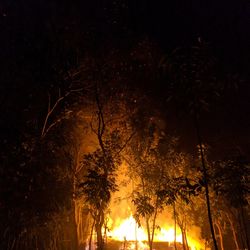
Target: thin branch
{"points": [[51, 126], [45, 130], [100, 113], [126, 142], [48, 115], [101, 123]]}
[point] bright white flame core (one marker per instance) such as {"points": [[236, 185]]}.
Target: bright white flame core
{"points": [[128, 230]]}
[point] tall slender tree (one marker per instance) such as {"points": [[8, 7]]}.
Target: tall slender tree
{"points": [[192, 84]]}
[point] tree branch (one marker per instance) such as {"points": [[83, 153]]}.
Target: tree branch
{"points": [[126, 142], [46, 129]]}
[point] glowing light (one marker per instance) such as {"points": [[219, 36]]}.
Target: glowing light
{"points": [[167, 235], [129, 231]]}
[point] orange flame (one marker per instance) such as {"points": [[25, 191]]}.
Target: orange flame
{"points": [[128, 230]]}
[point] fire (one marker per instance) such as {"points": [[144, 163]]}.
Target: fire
{"points": [[129, 231]]}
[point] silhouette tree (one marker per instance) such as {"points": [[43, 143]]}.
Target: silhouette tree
{"points": [[99, 181], [229, 179], [192, 84]]}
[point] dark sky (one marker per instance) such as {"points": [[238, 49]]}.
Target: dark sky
{"points": [[33, 34], [224, 24]]}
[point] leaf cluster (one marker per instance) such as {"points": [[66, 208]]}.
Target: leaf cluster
{"points": [[143, 205], [230, 179], [97, 188], [179, 187]]}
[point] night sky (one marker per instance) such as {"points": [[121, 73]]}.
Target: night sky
{"points": [[38, 37]]}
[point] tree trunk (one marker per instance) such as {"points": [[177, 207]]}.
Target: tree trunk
{"points": [[75, 234], [148, 231], [181, 225], [175, 246], [234, 232], [240, 230], [98, 226], [99, 237], [153, 229], [244, 226], [220, 234], [204, 170], [183, 239], [136, 240], [91, 235]]}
